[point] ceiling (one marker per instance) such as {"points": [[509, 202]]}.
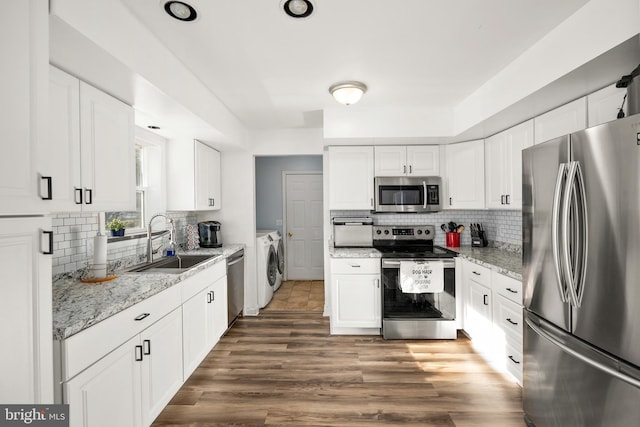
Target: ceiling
{"points": [[273, 71]]}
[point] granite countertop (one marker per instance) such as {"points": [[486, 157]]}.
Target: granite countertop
{"points": [[78, 305], [354, 252], [504, 262], [500, 260]]}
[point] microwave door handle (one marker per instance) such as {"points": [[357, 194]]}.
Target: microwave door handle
{"points": [[424, 185]]}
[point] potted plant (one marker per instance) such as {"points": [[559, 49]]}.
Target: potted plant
{"points": [[117, 226]]}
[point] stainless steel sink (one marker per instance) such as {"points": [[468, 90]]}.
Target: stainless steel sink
{"points": [[175, 264]]}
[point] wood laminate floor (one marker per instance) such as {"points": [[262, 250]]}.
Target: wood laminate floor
{"points": [[298, 295], [284, 369]]}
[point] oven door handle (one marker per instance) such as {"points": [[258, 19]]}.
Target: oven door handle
{"points": [[447, 262]]}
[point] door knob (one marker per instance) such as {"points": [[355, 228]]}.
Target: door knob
{"points": [[290, 234]]}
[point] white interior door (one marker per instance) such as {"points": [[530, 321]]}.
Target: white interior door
{"points": [[303, 200]]}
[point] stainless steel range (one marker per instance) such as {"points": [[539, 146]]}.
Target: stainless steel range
{"points": [[419, 281]]}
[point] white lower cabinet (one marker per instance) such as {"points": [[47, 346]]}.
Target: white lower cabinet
{"points": [[205, 320], [161, 364], [132, 384], [493, 316], [108, 392], [355, 295], [124, 370]]}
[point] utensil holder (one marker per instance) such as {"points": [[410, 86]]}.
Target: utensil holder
{"points": [[453, 240]]}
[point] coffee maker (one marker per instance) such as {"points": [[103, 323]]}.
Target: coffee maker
{"points": [[209, 232]]}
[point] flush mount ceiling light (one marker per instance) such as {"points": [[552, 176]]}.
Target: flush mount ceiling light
{"points": [[298, 8], [180, 11], [347, 93]]}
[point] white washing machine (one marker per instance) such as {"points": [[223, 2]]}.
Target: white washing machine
{"points": [[267, 268]]}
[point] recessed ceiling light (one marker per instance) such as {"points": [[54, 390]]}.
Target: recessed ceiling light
{"points": [[298, 8], [347, 93], [180, 11]]}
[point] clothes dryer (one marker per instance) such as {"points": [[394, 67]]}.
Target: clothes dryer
{"points": [[267, 268]]}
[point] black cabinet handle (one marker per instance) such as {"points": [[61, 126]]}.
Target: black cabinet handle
{"points": [[502, 199], [49, 188], [146, 345], [506, 198], [450, 201], [410, 169], [78, 194], [209, 300], [404, 169], [514, 360], [88, 193], [138, 353], [485, 300], [142, 316], [512, 291], [476, 273], [511, 321], [213, 296], [50, 251]]}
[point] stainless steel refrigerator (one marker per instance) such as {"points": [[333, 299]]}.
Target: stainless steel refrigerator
{"points": [[581, 278]]}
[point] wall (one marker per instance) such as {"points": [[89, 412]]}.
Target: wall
{"points": [[73, 237], [269, 197], [503, 228]]}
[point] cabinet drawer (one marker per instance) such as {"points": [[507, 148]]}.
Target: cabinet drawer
{"points": [[507, 317], [355, 266], [85, 348], [194, 284], [513, 361], [477, 273], [508, 287]]}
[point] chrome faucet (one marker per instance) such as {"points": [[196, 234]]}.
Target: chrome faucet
{"points": [[172, 233]]}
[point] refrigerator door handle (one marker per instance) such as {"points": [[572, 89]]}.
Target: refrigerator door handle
{"points": [[612, 368], [555, 232], [582, 236], [566, 243]]}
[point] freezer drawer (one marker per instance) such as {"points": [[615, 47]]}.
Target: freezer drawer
{"points": [[561, 389]]}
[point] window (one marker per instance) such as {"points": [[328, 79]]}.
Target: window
{"points": [[150, 197]]}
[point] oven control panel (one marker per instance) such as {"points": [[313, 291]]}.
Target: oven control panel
{"points": [[403, 232]]}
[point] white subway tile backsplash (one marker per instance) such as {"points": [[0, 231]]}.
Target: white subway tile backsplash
{"points": [[503, 228], [73, 230]]}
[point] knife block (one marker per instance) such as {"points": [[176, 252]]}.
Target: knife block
{"points": [[478, 239]]}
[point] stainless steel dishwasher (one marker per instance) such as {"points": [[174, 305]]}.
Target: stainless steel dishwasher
{"points": [[235, 284]]}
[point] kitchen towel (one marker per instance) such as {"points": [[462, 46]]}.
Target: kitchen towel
{"points": [[419, 277]]}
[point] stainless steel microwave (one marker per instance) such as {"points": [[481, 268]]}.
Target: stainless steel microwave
{"points": [[408, 194]]}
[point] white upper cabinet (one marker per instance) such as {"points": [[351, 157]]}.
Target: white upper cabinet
{"points": [[603, 105], [351, 178], [90, 158], [563, 120], [107, 152], [503, 166], [193, 176], [412, 160], [24, 45], [464, 176]]}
